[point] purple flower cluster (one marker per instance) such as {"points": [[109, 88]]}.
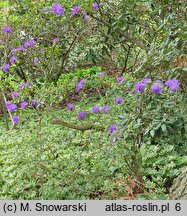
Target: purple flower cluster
{"points": [[57, 9], [36, 60], [25, 85], [157, 87], [75, 10], [119, 100], [34, 103], [70, 106], [140, 86], [85, 17], [80, 85], [95, 109], [172, 84], [120, 79], [13, 59], [7, 29], [112, 128], [101, 74], [15, 94], [18, 49], [55, 40], [95, 6], [81, 115], [11, 107], [29, 43], [16, 119], [6, 68], [106, 109], [24, 104]]}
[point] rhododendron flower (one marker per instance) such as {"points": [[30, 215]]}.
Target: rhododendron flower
{"points": [[7, 29], [23, 104], [95, 6], [15, 94], [112, 128], [119, 100], [34, 103], [18, 49], [173, 85], [81, 115], [139, 87], [29, 43], [57, 9], [85, 17], [106, 109], [6, 68], [25, 85], [75, 10], [120, 79], [101, 74], [80, 85], [36, 60], [16, 119], [157, 87], [146, 80], [13, 59], [95, 109], [10, 106], [70, 106], [55, 40]]}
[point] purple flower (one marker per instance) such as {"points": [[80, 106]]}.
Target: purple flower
{"points": [[70, 106], [85, 16], [29, 43], [173, 85], [10, 106], [81, 115], [25, 85], [34, 103], [121, 79], [95, 109], [32, 43], [157, 87], [95, 6], [57, 9], [7, 29], [75, 10], [18, 49], [139, 87], [80, 85], [146, 80], [101, 74], [23, 104], [112, 128], [41, 50], [22, 86], [119, 100], [26, 44], [6, 68], [55, 40], [36, 60], [15, 94], [106, 109], [13, 59], [16, 119]]}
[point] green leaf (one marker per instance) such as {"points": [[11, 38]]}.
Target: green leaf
{"points": [[163, 127], [152, 132]]}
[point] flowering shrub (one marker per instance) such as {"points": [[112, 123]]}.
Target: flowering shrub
{"points": [[121, 109]]}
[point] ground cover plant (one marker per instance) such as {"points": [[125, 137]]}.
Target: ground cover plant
{"points": [[92, 99]]}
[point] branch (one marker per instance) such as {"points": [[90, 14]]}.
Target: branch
{"points": [[77, 127]]}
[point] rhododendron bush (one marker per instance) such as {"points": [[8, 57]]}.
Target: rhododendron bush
{"points": [[92, 88]]}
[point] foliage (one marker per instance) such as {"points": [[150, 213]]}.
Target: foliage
{"points": [[128, 130]]}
